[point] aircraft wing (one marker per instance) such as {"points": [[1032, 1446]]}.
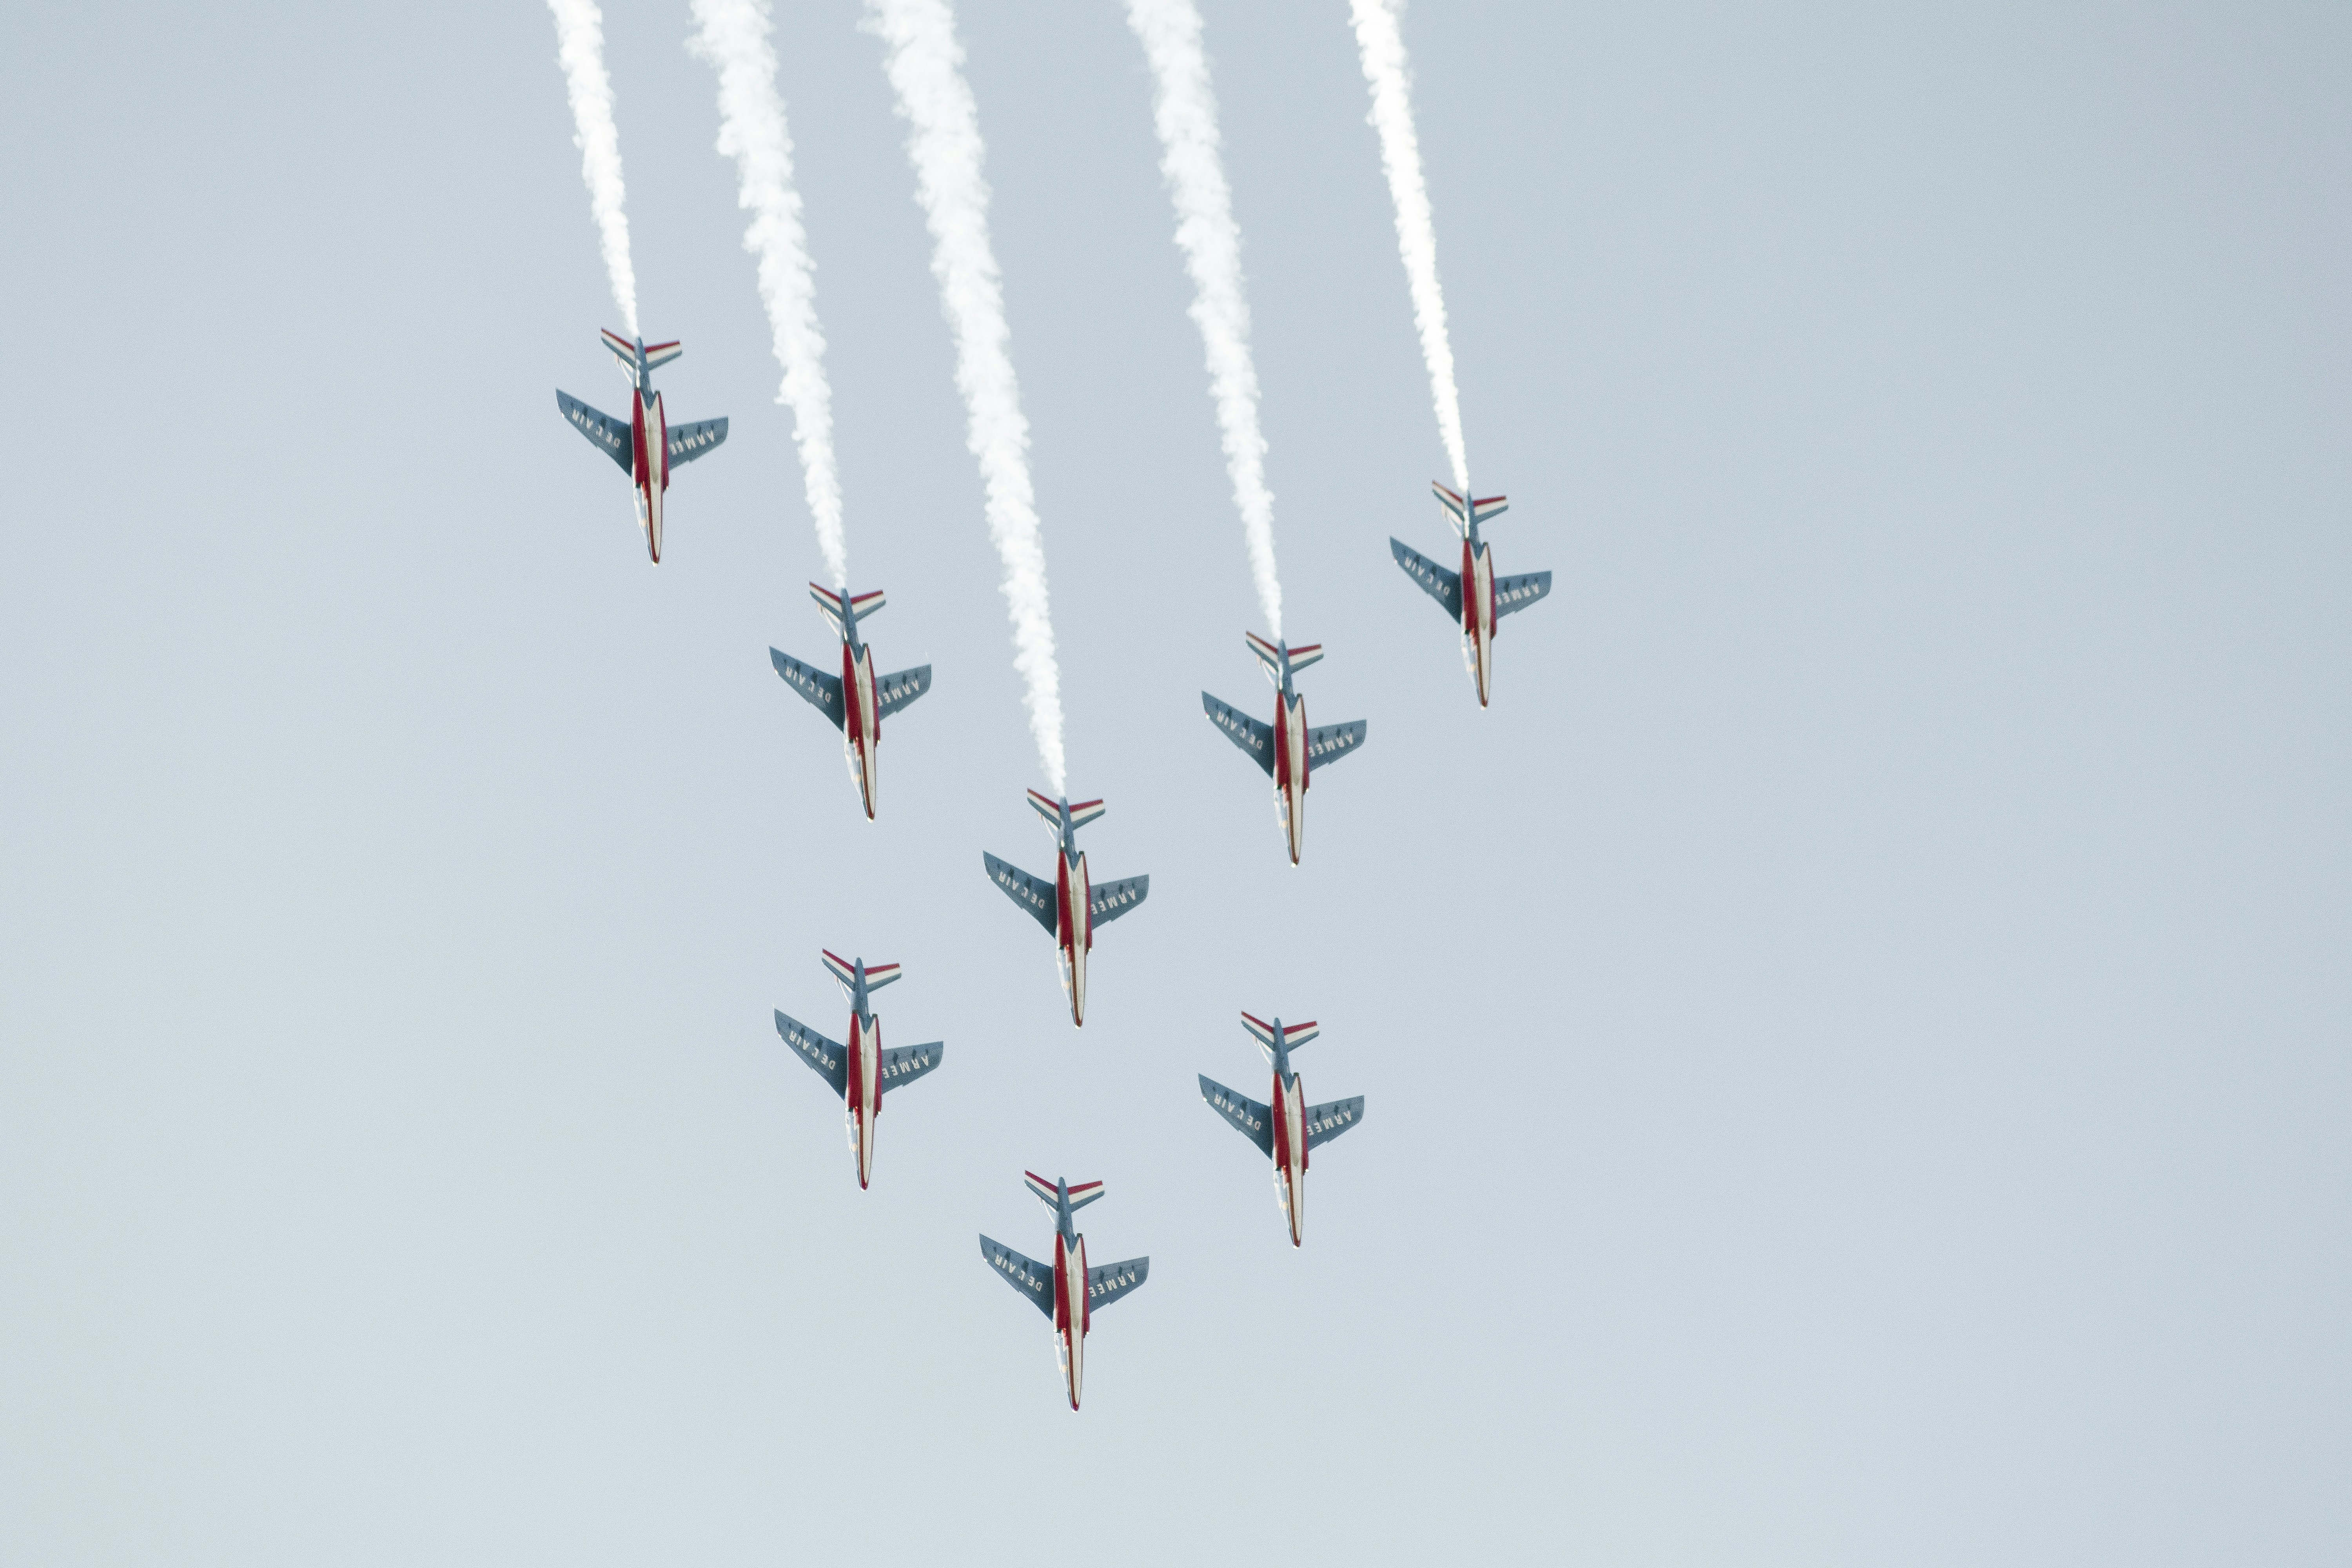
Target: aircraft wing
{"points": [[893, 692], [1034, 894], [1329, 744], [822, 690], [611, 436], [687, 442], [1251, 1119], [1112, 1280], [1517, 592], [830, 1060], [1244, 731], [904, 1064], [1032, 1278], [1442, 586], [1325, 1122], [1113, 900]]}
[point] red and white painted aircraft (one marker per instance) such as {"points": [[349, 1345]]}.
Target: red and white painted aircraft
{"points": [[857, 699], [1066, 1290], [860, 1070], [644, 444], [1475, 597], [1290, 1127], [1069, 907], [1288, 749]]}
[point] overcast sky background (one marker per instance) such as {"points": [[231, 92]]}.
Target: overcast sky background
{"points": [[1855, 1039]]}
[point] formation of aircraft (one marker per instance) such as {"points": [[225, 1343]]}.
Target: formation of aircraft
{"points": [[1070, 906], [1288, 749], [860, 1070], [1474, 597], [1288, 1129], [855, 700], [1066, 1290], [644, 444]]}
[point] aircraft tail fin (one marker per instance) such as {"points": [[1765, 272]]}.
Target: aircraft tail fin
{"points": [[1081, 1192], [1293, 1034], [1464, 509]]}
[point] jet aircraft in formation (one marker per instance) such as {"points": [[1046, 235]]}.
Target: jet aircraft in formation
{"points": [[644, 443], [1290, 1127], [1070, 906], [856, 701], [1288, 749], [862, 1069], [1474, 597], [1066, 1290]]}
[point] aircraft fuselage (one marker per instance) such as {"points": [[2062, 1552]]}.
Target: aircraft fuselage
{"points": [[864, 1100], [649, 462], [1071, 1316], [1291, 768], [1290, 1152], [1479, 609], [1073, 927], [861, 726]]}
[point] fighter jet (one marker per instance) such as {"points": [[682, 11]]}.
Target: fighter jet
{"points": [[1069, 906], [1288, 1129], [642, 444], [868, 697], [1475, 597], [1288, 749], [862, 1070], [1066, 1290]]}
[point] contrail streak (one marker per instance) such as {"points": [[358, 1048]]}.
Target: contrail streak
{"points": [[580, 45], [1385, 70], [926, 71], [1186, 117], [733, 38]]}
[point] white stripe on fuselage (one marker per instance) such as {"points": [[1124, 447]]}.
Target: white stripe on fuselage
{"points": [[1075, 894], [1291, 1101], [863, 729], [1292, 715], [1070, 1281]]}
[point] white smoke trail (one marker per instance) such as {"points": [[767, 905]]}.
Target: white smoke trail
{"points": [[733, 38], [926, 71], [1186, 116], [580, 45], [1385, 70]]}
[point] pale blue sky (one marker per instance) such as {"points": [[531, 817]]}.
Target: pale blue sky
{"points": [[1855, 1039]]}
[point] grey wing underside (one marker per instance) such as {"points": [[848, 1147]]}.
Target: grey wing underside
{"points": [[1032, 1278], [1112, 900], [1112, 1280], [1442, 586], [1251, 1119], [893, 692], [1255, 739], [1325, 1122], [1330, 743], [901, 1065], [687, 442], [610, 436], [1034, 894], [830, 1060], [1515, 593], [822, 690]]}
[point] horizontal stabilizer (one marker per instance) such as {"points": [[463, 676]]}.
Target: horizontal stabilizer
{"points": [[1034, 894], [892, 692], [1112, 900], [1112, 1280], [1081, 1192], [1328, 744], [1464, 512], [1268, 654], [1325, 1122], [877, 975], [659, 354], [1517, 592], [864, 605], [1300, 658], [904, 1064], [1026, 1275], [1084, 811], [623, 349], [687, 442], [1047, 807], [611, 436], [830, 1060], [1255, 739], [828, 605], [1251, 1119], [1293, 1034], [822, 690], [1442, 586]]}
